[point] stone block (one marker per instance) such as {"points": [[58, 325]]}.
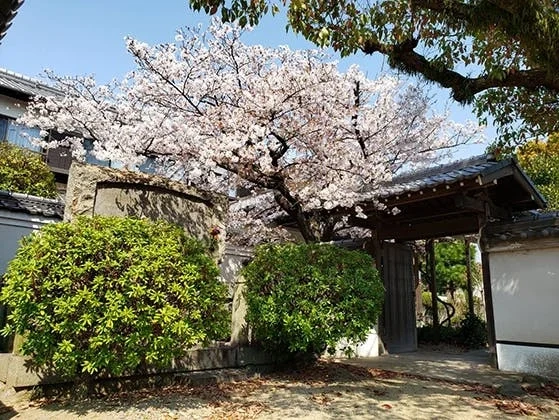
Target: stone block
{"points": [[94, 190]]}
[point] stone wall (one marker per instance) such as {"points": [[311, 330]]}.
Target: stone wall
{"points": [[94, 190], [234, 259], [15, 370]]}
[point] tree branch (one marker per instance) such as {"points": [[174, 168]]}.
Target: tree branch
{"points": [[277, 154], [403, 57]]}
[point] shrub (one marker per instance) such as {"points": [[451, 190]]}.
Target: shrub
{"points": [[108, 295], [305, 298], [472, 332], [25, 172], [428, 334]]}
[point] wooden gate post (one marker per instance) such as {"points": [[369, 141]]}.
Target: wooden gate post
{"points": [[469, 277]]}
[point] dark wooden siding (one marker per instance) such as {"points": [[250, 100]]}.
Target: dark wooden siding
{"points": [[398, 323], [59, 159]]}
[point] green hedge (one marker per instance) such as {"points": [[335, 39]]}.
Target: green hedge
{"points": [[25, 172], [305, 298], [109, 295]]}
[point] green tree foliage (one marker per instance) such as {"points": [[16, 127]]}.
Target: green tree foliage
{"points": [[25, 172], [502, 55], [540, 160], [450, 266], [305, 298], [108, 295]]}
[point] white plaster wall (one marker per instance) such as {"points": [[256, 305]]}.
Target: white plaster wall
{"points": [[525, 292], [13, 227], [367, 348], [525, 289]]}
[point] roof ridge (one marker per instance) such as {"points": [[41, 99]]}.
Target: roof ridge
{"points": [[22, 76], [442, 169], [32, 204], [23, 196], [26, 84]]}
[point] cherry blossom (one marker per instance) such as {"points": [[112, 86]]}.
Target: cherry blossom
{"points": [[302, 137]]}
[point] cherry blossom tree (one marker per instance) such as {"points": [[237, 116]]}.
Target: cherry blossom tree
{"points": [[287, 126]]}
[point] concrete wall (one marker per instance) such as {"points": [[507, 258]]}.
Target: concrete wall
{"points": [[15, 370], [234, 258], [525, 293], [13, 227], [94, 190]]}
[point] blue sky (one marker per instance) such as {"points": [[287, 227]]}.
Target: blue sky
{"points": [[78, 37]]}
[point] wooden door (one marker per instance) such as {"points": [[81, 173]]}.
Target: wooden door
{"points": [[398, 323]]}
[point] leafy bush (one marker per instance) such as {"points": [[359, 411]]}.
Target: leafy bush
{"points": [[108, 295], [428, 334], [305, 298], [472, 332], [25, 172]]}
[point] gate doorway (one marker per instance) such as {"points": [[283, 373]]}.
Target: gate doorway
{"points": [[450, 200]]}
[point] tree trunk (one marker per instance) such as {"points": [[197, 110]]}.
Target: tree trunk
{"points": [[430, 254]]}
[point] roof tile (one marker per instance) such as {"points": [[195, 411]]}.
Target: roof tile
{"points": [[25, 85], [30, 204], [441, 175]]}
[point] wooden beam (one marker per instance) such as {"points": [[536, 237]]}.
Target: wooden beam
{"points": [[496, 175], [467, 224], [490, 315], [426, 193], [426, 215], [469, 203], [493, 211]]}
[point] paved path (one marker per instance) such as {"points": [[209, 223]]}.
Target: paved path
{"points": [[468, 367]]}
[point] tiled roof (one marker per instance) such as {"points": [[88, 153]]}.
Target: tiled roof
{"points": [[24, 203], [438, 175], [25, 85], [527, 225], [8, 10], [471, 168]]}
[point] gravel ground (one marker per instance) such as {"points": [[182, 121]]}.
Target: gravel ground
{"points": [[326, 390]]}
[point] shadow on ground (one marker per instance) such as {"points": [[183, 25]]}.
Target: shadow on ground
{"points": [[7, 412], [323, 390]]}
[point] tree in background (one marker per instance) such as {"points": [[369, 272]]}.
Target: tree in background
{"points": [[451, 279], [501, 55], [25, 172], [286, 125], [450, 266], [540, 160], [459, 321]]}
